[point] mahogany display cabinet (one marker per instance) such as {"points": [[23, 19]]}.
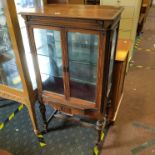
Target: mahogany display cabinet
{"points": [[73, 48], [15, 83]]}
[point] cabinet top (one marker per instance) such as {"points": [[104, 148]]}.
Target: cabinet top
{"points": [[123, 47], [96, 12]]}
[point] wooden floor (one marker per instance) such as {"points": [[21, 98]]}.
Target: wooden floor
{"points": [[134, 130]]}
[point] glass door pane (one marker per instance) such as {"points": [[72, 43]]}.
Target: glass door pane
{"points": [[9, 74], [83, 57], [48, 45]]}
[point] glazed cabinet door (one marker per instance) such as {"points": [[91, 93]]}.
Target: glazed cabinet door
{"points": [[9, 73], [83, 49], [68, 63], [49, 53]]}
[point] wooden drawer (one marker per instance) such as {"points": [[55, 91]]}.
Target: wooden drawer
{"points": [[128, 12], [126, 24], [124, 34]]}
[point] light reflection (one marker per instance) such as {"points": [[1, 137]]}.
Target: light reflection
{"points": [[20, 5]]}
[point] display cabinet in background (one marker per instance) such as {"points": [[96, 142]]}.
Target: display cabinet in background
{"points": [[15, 83], [146, 4], [20, 5], [74, 48], [121, 61]]}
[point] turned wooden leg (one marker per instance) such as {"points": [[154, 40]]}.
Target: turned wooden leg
{"points": [[99, 128], [43, 113], [31, 109]]}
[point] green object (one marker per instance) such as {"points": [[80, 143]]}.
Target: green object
{"points": [[41, 140], [96, 151], [102, 136]]}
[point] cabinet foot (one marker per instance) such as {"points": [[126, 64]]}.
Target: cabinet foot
{"points": [[100, 126], [36, 132], [111, 123]]}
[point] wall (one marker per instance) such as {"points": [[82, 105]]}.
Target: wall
{"points": [[154, 2]]}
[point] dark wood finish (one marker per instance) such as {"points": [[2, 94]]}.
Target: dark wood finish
{"points": [[88, 2], [25, 96], [57, 1], [146, 4], [48, 19], [65, 1], [76, 1], [119, 77], [92, 12], [93, 2], [65, 62], [99, 21]]}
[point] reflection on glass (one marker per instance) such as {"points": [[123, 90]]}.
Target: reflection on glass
{"points": [[31, 70], [83, 56], [112, 58], [9, 74], [48, 45], [20, 5]]}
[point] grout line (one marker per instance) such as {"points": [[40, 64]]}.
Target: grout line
{"points": [[143, 126], [143, 146]]}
